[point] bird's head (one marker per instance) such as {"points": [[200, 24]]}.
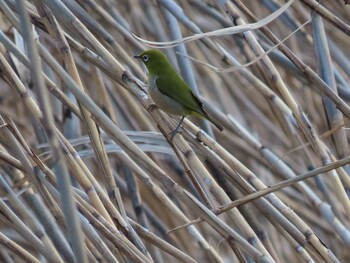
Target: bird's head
{"points": [[154, 60]]}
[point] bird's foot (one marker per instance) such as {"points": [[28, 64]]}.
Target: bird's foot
{"points": [[176, 129], [172, 134], [152, 107]]}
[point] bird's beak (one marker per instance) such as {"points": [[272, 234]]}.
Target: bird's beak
{"points": [[137, 56]]}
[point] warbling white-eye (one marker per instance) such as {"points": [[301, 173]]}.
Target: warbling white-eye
{"points": [[169, 91]]}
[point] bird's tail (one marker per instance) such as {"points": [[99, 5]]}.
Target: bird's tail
{"points": [[204, 114], [214, 121]]}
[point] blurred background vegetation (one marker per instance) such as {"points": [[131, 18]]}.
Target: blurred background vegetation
{"points": [[88, 173]]}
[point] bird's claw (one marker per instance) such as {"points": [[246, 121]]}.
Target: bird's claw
{"points": [[178, 127], [152, 107], [173, 133]]}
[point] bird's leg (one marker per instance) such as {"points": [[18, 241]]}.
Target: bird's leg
{"points": [[176, 129]]}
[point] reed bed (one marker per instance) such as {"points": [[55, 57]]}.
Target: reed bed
{"points": [[88, 170]]}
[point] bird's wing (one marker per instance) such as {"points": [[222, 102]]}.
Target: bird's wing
{"points": [[179, 91]]}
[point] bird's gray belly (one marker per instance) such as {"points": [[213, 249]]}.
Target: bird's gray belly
{"points": [[164, 102]]}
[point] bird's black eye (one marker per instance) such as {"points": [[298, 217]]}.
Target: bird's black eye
{"points": [[145, 58]]}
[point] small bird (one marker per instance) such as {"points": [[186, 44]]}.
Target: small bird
{"points": [[169, 91]]}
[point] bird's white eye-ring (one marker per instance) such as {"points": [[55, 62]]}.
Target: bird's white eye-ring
{"points": [[145, 58]]}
